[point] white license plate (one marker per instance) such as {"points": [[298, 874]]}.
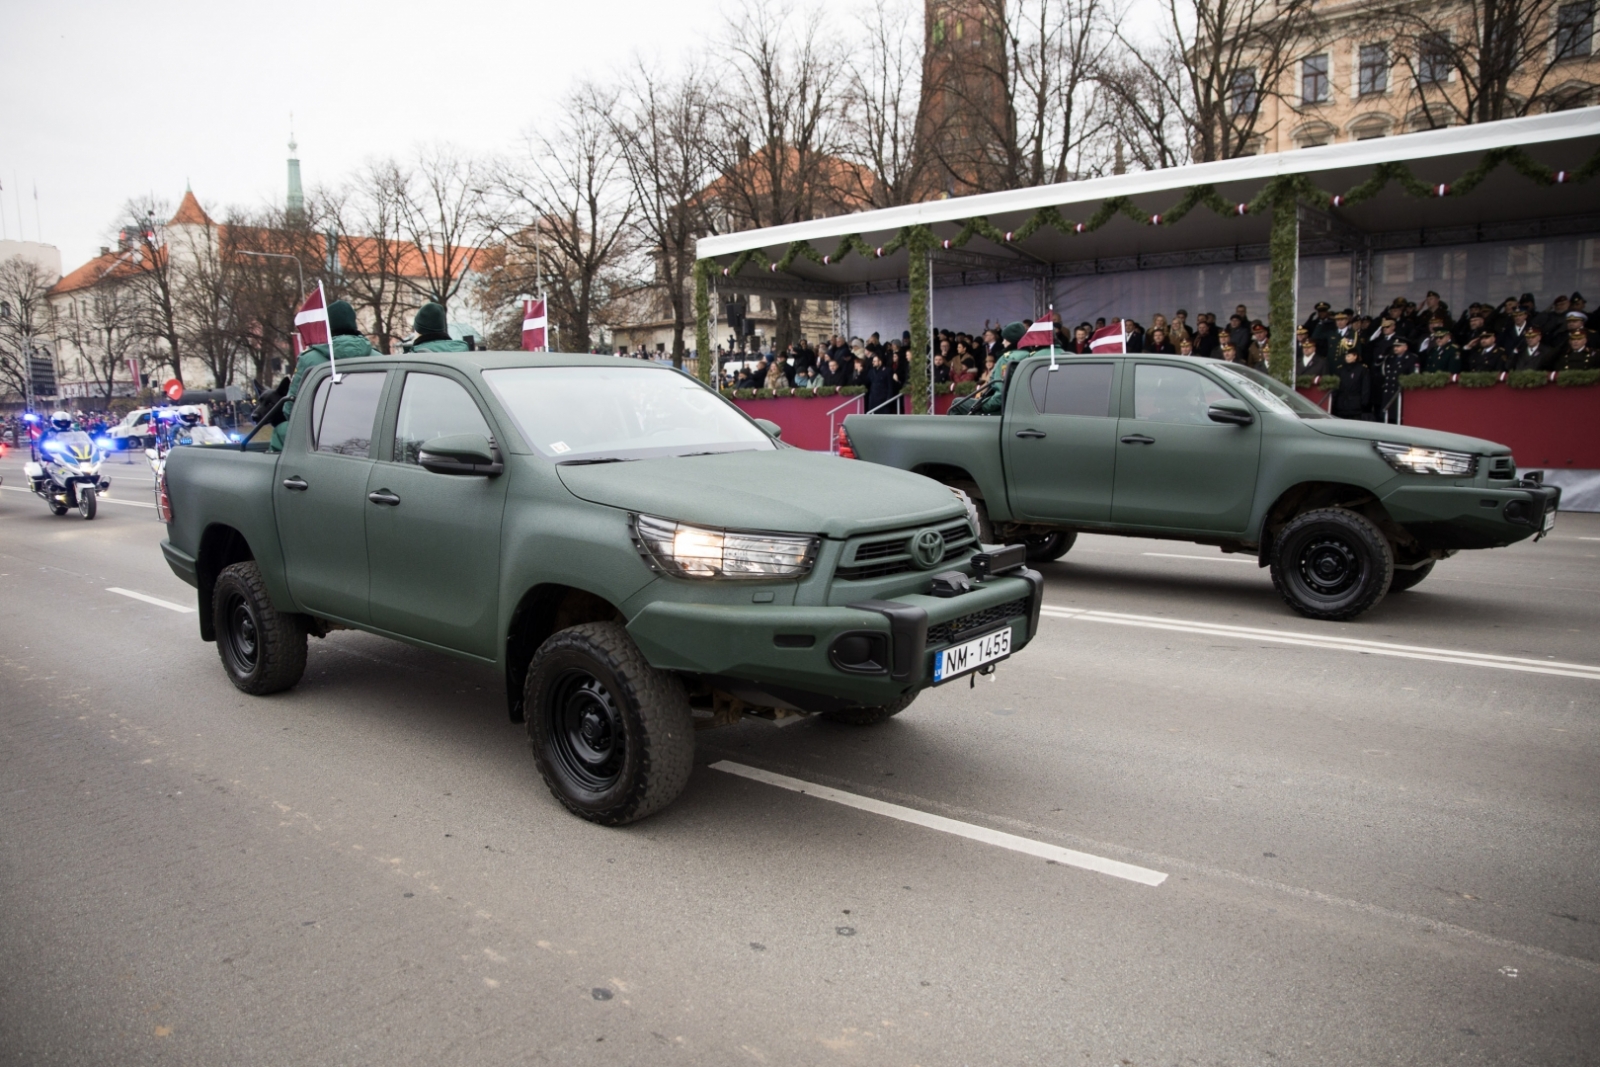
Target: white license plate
{"points": [[1549, 520], [970, 655]]}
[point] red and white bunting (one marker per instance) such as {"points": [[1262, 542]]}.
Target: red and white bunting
{"points": [[1110, 338], [535, 325]]}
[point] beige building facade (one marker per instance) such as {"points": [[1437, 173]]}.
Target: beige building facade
{"points": [[1372, 72]]}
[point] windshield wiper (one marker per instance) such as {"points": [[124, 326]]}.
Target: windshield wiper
{"points": [[597, 459]]}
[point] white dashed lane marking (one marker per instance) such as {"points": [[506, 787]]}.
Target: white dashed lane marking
{"points": [[103, 499], [148, 599], [1331, 641], [972, 832]]}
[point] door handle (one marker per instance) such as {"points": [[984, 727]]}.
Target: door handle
{"points": [[1030, 433], [297, 483], [383, 496], [1138, 439]]}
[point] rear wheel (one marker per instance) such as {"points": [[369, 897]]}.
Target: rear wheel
{"points": [[1404, 580], [58, 509], [1331, 563], [1047, 548], [262, 649], [613, 737], [88, 503]]}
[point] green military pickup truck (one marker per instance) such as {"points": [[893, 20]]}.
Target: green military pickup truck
{"points": [[636, 555], [1212, 452]]}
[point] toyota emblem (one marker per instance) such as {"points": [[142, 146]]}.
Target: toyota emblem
{"points": [[927, 548]]}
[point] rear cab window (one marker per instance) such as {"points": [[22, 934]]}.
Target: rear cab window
{"points": [[1073, 388]]}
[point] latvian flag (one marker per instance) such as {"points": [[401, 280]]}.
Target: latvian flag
{"points": [[1041, 334], [534, 322], [1112, 338], [311, 321]]}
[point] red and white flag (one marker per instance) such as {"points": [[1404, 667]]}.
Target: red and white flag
{"points": [[534, 325], [1040, 335], [311, 321], [1112, 338]]}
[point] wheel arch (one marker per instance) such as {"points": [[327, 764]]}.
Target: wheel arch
{"points": [[540, 612], [221, 546], [1310, 495]]}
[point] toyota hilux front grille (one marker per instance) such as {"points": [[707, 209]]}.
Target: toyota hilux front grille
{"points": [[880, 555]]}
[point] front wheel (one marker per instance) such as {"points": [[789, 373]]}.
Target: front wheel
{"points": [[57, 508], [262, 649], [1047, 548], [613, 737], [1331, 563], [1404, 580], [88, 503]]}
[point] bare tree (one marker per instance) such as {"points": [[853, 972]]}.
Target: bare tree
{"points": [[374, 256], [1220, 62], [206, 301], [269, 253], [883, 111], [1469, 61], [102, 324], [566, 217], [25, 320], [1148, 126], [153, 277], [1014, 90], [443, 207], [777, 149], [663, 126]]}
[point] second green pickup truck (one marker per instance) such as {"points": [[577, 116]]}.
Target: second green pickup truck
{"points": [[1212, 452], [637, 557]]}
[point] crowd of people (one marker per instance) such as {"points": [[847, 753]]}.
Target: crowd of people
{"points": [[1367, 354]]}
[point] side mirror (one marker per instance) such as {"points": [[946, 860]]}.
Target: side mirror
{"points": [[771, 429], [1236, 412], [466, 453]]}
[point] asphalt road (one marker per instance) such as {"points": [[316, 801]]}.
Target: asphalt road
{"points": [[1372, 854]]}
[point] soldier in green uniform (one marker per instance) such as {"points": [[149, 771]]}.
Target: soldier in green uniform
{"points": [[347, 344], [994, 400], [433, 332], [1442, 355]]}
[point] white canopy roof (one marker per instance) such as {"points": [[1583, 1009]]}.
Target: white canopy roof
{"points": [[1564, 141]]}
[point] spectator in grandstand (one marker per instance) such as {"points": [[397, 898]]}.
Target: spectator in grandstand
{"points": [[1442, 355], [1580, 353], [1312, 361], [1354, 394], [1531, 353], [1395, 363], [1483, 353], [1179, 331], [1158, 342], [1205, 338]]}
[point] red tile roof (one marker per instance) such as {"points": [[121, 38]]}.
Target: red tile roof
{"points": [[114, 263], [191, 212]]}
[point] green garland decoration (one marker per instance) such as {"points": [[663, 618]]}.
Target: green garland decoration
{"points": [[704, 355]]}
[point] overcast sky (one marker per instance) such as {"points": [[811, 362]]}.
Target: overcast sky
{"points": [[104, 101]]}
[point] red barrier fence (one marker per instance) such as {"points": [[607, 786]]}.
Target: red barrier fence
{"points": [[1553, 427], [805, 419]]}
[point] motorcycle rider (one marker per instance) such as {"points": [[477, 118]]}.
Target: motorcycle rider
{"points": [[59, 423]]}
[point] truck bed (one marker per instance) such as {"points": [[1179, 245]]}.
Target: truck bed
{"points": [[937, 445]]}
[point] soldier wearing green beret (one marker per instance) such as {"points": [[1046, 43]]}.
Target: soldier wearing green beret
{"points": [[433, 332], [347, 344]]}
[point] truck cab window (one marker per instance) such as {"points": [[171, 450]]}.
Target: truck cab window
{"points": [[433, 406], [1072, 389], [1174, 394], [342, 415]]}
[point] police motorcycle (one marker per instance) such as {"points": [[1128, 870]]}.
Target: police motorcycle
{"points": [[66, 473], [175, 428]]}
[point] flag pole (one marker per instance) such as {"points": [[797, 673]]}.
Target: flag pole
{"points": [[333, 368]]}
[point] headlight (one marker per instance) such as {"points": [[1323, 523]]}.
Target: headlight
{"points": [[1413, 460], [699, 552]]}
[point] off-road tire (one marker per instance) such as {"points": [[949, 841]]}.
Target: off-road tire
{"points": [[1331, 563], [870, 716], [263, 650], [1047, 548], [1404, 580], [88, 504], [613, 737]]}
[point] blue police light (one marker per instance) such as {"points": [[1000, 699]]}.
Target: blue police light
{"points": [[52, 446], [236, 437], [103, 442], [30, 417]]}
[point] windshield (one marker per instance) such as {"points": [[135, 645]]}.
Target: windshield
{"points": [[637, 412], [1270, 393]]}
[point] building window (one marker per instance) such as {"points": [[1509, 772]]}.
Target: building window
{"points": [[1374, 74], [1242, 96], [1574, 30], [1433, 59], [1314, 79]]}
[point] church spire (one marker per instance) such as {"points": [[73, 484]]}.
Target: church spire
{"points": [[295, 208]]}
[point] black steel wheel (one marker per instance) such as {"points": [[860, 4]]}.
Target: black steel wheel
{"points": [[1404, 580], [870, 716], [1047, 548], [1331, 563], [612, 736], [262, 649]]}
